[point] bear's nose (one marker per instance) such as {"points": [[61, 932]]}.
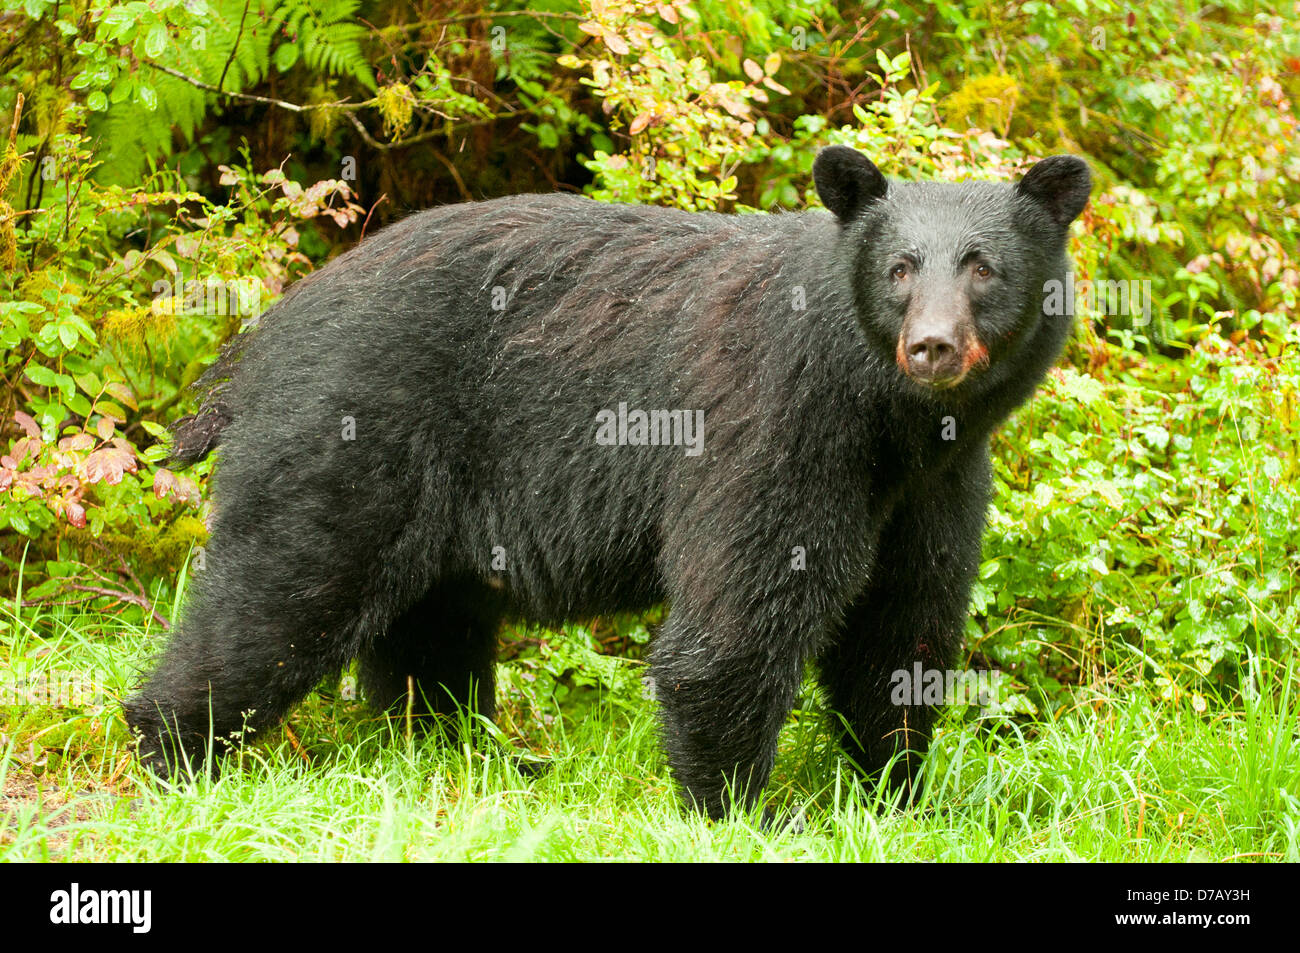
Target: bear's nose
{"points": [[932, 356], [932, 350]]}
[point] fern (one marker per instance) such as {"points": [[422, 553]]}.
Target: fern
{"points": [[229, 45], [324, 35], [132, 133]]}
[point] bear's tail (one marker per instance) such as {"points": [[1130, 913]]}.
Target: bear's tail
{"points": [[196, 435]]}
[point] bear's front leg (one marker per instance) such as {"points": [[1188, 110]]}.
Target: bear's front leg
{"points": [[722, 704], [910, 616], [757, 576]]}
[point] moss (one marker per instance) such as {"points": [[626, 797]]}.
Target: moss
{"points": [[984, 102], [159, 549], [134, 326]]}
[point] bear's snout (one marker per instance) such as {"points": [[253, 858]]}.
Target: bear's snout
{"points": [[938, 354], [933, 358]]}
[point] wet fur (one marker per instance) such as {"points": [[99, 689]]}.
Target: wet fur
{"points": [[475, 429]]}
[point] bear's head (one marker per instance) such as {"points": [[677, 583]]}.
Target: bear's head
{"points": [[949, 280]]}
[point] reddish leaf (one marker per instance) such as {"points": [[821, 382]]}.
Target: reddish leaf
{"points": [[28, 424], [616, 44], [20, 450], [168, 485], [78, 441], [76, 514], [107, 464]]}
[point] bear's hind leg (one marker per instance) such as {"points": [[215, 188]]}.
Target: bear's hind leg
{"points": [[289, 595], [226, 672], [438, 656]]}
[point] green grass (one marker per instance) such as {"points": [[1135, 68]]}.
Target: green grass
{"points": [[1119, 778]]}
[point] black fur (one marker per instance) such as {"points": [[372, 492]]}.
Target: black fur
{"points": [[475, 428]]}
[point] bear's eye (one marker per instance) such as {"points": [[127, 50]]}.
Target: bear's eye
{"points": [[898, 272], [984, 271]]}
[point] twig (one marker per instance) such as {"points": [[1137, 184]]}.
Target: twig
{"points": [[43, 603], [343, 106], [252, 97], [366, 223], [130, 597], [296, 744], [374, 143], [455, 174], [132, 576], [235, 48], [13, 126], [484, 15], [365, 134]]}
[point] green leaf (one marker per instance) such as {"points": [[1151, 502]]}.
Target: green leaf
{"points": [[285, 56], [110, 409], [123, 89], [88, 381], [156, 41], [42, 375], [19, 523], [119, 23]]}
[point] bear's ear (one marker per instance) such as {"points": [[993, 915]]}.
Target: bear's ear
{"points": [[1061, 183], [847, 181]]}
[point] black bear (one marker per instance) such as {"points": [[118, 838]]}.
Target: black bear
{"points": [[545, 407]]}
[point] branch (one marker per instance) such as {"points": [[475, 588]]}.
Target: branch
{"points": [[455, 174], [366, 223], [138, 585], [343, 106], [234, 49], [13, 128], [130, 597], [484, 15], [419, 137], [253, 98]]}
